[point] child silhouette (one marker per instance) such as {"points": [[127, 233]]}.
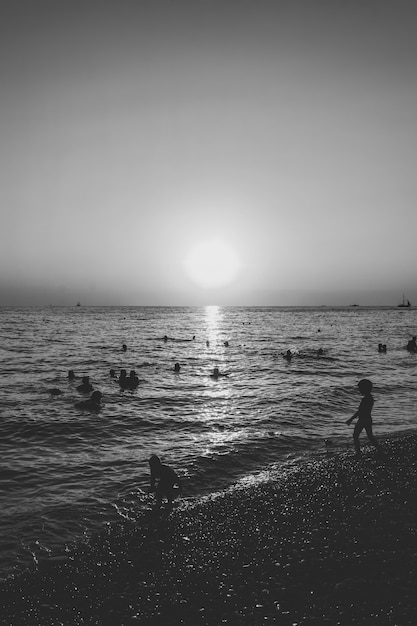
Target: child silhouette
{"points": [[364, 416]]}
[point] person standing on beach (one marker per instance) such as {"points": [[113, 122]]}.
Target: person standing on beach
{"points": [[166, 478], [364, 415]]}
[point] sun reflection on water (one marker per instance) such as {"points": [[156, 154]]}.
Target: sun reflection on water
{"points": [[213, 315]]}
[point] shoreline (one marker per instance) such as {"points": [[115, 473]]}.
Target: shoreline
{"points": [[330, 541]]}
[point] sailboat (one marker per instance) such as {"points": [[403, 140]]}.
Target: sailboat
{"points": [[404, 304]]}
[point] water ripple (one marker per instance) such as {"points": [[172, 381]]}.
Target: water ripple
{"points": [[66, 472]]}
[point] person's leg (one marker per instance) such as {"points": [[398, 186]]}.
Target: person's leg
{"points": [[368, 428], [357, 431], [171, 495], [165, 490], [159, 495]]}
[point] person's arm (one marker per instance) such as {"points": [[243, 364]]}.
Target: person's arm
{"points": [[350, 420]]}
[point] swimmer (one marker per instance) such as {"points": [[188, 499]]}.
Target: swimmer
{"points": [[216, 373], [71, 375], [226, 344], [124, 347], [122, 376], [128, 382], [85, 386], [163, 481], [412, 345], [112, 373], [288, 355], [93, 404], [133, 380], [177, 367]]}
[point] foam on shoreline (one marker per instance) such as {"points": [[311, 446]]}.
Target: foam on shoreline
{"points": [[331, 541]]}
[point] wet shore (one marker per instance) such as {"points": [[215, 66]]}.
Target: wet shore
{"points": [[326, 542]]}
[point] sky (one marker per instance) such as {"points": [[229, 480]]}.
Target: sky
{"points": [[230, 152]]}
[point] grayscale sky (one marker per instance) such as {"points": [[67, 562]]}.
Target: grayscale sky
{"points": [[259, 152]]}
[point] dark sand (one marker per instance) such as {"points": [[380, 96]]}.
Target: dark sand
{"points": [[329, 542]]}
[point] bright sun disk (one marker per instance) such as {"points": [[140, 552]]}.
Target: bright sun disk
{"points": [[212, 264]]}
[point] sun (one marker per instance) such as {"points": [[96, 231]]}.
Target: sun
{"points": [[212, 264]]}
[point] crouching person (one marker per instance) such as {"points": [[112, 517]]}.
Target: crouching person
{"points": [[164, 481]]}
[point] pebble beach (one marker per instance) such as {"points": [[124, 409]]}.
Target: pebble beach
{"points": [[332, 542]]}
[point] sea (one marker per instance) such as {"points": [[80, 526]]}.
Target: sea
{"points": [[67, 473]]}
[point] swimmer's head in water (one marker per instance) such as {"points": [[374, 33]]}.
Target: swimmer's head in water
{"points": [[365, 386], [154, 461]]}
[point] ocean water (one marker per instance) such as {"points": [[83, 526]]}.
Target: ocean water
{"points": [[65, 473]]}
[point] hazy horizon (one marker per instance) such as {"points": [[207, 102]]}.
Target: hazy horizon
{"points": [[208, 152], [39, 297]]}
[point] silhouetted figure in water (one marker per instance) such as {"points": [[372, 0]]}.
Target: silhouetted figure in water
{"points": [[93, 404], [382, 347], [364, 415], [85, 386], [124, 347], [217, 373], [177, 367], [163, 481], [412, 345], [71, 375], [288, 355], [112, 373], [133, 380], [128, 382]]}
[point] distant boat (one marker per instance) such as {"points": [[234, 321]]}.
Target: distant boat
{"points": [[404, 304], [78, 304]]}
